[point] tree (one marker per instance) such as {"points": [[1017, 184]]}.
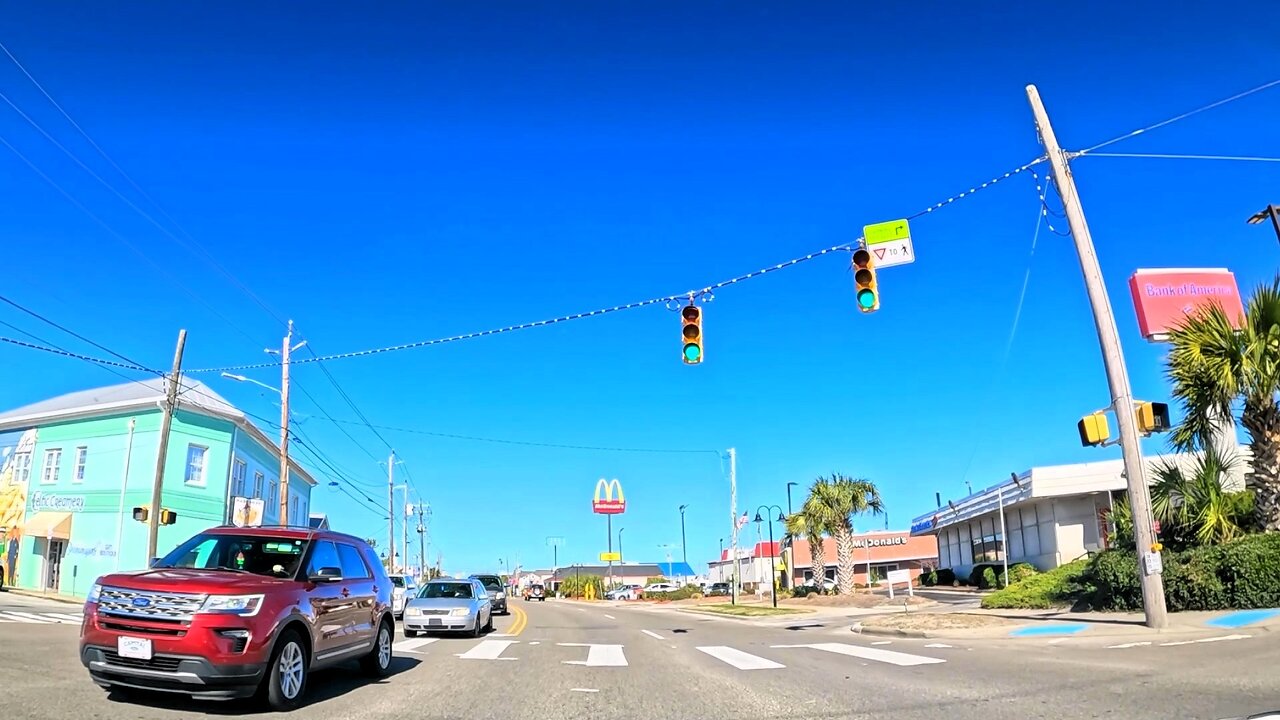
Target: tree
{"points": [[836, 500], [1212, 365], [806, 527], [1193, 507]]}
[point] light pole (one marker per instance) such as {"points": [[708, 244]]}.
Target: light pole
{"points": [[1004, 537], [1271, 211], [684, 548], [722, 559], [621, 558], [789, 486], [773, 574]]}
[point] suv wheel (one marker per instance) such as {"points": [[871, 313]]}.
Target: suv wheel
{"points": [[287, 679], [378, 662]]}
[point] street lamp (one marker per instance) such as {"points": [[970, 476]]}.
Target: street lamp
{"points": [[1271, 211], [620, 557], [789, 486], [773, 576], [1004, 537], [684, 548]]}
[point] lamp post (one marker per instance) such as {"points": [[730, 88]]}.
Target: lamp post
{"points": [[620, 556], [789, 486], [684, 548], [773, 574], [1272, 211], [1004, 537]]}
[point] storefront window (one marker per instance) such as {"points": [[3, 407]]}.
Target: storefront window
{"points": [[195, 464]]}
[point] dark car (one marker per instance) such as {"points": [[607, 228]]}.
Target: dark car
{"points": [[718, 589], [234, 612], [497, 592]]}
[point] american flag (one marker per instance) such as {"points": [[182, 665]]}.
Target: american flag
{"points": [[742, 521]]}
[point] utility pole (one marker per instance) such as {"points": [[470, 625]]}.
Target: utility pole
{"points": [[391, 513], [422, 541], [286, 349], [1153, 600], [404, 543], [166, 422], [733, 516]]}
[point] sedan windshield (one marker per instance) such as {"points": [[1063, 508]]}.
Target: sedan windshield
{"points": [[446, 590], [273, 557]]}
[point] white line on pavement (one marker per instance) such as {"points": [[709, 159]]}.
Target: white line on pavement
{"points": [[587, 690], [29, 617], [488, 650], [1128, 645], [598, 655], [937, 645], [67, 616], [652, 634], [1206, 640], [1055, 641], [4, 619], [886, 656], [610, 616], [740, 659], [412, 645], [883, 642]]}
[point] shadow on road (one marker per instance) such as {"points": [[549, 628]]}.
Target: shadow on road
{"points": [[321, 687]]}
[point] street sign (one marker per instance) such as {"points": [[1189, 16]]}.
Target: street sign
{"points": [[610, 557], [889, 243]]}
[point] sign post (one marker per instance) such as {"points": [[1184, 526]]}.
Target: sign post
{"points": [[609, 501]]}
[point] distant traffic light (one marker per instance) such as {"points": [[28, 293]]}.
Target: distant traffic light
{"points": [[691, 318], [864, 281], [141, 513], [168, 517], [1094, 429], [1152, 417]]}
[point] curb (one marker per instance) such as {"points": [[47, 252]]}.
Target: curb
{"points": [[894, 632], [40, 596]]}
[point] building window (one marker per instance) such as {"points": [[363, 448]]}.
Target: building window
{"points": [[238, 471], [272, 498], [21, 468], [257, 484], [82, 454], [52, 466], [196, 465], [293, 512]]}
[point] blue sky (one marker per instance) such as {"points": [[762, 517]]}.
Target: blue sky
{"points": [[391, 174]]}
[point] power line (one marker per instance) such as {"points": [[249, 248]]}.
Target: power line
{"points": [[70, 332], [1169, 156], [1183, 116], [54, 349]]}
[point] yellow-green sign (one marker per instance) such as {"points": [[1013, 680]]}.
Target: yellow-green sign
{"points": [[610, 557], [886, 232]]}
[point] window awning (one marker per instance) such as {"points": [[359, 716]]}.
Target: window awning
{"points": [[52, 525]]}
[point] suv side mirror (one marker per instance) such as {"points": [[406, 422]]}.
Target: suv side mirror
{"points": [[326, 575]]}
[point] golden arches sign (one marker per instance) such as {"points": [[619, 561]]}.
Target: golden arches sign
{"points": [[608, 499]]}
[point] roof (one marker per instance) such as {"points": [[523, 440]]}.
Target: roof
{"points": [[318, 521], [193, 396], [761, 549]]}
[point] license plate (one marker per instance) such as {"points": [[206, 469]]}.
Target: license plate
{"points": [[136, 648], [434, 621]]}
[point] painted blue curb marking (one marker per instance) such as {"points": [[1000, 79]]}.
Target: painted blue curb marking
{"points": [[1049, 629], [1242, 618]]}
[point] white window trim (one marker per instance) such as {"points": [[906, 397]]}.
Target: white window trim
{"points": [[204, 466], [259, 479], [22, 467], [239, 476], [45, 477], [82, 458], [273, 492]]}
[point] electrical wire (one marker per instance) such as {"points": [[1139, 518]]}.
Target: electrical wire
{"points": [[689, 294], [70, 332], [1183, 116], [1170, 156], [54, 349]]}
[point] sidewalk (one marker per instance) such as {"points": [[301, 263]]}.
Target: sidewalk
{"points": [[1059, 623], [44, 596]]}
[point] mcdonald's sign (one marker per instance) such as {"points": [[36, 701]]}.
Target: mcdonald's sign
{"points": [[608, 499]]}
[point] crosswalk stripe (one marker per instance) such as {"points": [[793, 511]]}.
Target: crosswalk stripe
{"points": [[67, 616], [412, 645], [488, 650], [739, 659], [866, 653], [598, 655], [28, 617]]}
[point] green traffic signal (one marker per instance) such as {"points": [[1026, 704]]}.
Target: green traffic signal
{"points": [[866, 299], [692, 353]]}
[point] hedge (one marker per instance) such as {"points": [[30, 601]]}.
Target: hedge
{"points": [[1039, 591]]}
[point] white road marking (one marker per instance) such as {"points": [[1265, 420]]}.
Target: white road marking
{"points": [[937, 645], [866, 653], [740, 659], [598, 655], [584, 690], [1206, 640], [488, 650], [499, 635], [4, 619], [652, 634], [535, 642], [411, 645], [28, 617], [1055, 641], [610, 616], [1128, 645], [883, 642]]}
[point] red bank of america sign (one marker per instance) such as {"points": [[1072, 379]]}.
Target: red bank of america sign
{"points": [[608, 499], [1163, 298]]}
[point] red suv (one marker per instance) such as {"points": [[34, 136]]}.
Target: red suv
{"points": [[234, 612]]}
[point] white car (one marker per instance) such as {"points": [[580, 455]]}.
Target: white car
{"points": [[660, 588], [622, 593], [403, 589]]}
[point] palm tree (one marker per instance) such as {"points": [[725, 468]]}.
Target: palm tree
{"points": [[1193, 505], [800, 525], [836, 500], [1212, 365]]}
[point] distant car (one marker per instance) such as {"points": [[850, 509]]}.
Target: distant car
{"points": [[535, 592], [449, 606], [403, 587], [621, 593], [497, 592], [827, 584], [718, 589], [660, 588]]}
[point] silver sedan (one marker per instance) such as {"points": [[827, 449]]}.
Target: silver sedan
{"points": [[449, 605]]}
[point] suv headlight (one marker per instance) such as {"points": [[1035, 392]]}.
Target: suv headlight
{"points": [[242, 605], [460, 611], [95, 592]]}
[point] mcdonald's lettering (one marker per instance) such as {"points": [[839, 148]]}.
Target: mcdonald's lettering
{"points": [[608, 499]]}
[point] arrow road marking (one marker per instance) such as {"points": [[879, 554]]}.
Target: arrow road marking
{"points": [[488, 650], [740, 659], [412, 645], [652, 634], [866, 653], [598, 655]]}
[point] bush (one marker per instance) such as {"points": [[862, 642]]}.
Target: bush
{"points": [[576, 585], [1021, 571], [988, 578], [655, 580], [1056, 588], [684, 593], [800, 591], [985, 576], [929, 579], [946, 576]]}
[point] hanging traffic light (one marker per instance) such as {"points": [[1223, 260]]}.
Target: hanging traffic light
{"points": [[1152, 417], [140, 513], [691, 318], [867, 291], [1094, 429], [168, 517]]}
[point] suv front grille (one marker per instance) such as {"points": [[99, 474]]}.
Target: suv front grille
{"points": [[159, 662], [162, 606]]}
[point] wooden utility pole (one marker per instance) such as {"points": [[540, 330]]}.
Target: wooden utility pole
{"points": [[422, 540], [166, 422], [1149, 571], [391, 513], [285, 350]]}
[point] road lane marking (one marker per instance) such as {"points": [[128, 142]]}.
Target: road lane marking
{"points": [[739, 659], [598, 655], [937, 645], [411, 645], [883, 642], [29, 617], [1055, 641], [521, 622], [866, 653], [1128, 645], [488, 650], [586, 690], [1206, 640], [652, 634], [610, 616], [67, 616]]}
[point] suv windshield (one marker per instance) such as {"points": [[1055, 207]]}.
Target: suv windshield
{"points": [[490, 582], [446, 590], [397, 580], [273, 557]]}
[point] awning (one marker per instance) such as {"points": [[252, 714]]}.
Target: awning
{"points": [[51, 525]]}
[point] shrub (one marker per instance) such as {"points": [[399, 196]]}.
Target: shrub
{"points": [[655, 580], [988, 578], [1021, 571], [984, 576], [929, 579], [684, 593], [800, 591], [946, 576], [1058, 587]]}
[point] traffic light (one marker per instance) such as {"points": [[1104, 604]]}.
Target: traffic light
{"points": [[1094, 429], [141, 513], [691, 318], [168, 517], [1152, 417], [864, 281]]}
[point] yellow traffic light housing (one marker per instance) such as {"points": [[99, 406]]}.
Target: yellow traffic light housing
{"points": [[168, 517], [1151, 417], [691, 319], [141, 513], [867, 291], [1094, 429]]}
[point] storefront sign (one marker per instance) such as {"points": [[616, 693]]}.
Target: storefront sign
{"points": [[98, 549], [923, 525], [1164, 298], [882, 542], [41, 502]]}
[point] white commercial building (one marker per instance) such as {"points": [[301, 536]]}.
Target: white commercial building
{"points": [[1052, 515]]}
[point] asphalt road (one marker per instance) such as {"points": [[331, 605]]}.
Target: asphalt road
{"points": [[571, 661]]}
